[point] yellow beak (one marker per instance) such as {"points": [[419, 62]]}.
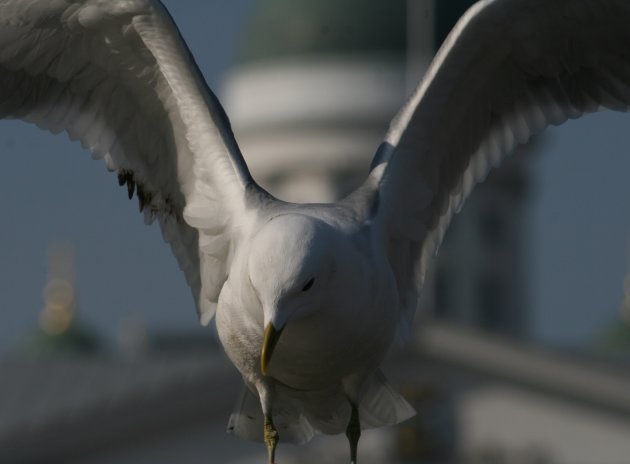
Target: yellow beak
{"points": [[270, 338]]}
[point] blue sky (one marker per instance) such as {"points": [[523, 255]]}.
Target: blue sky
{"points": [[580, 228], [578, 223]]}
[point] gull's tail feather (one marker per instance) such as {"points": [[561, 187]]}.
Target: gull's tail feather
{"points": [[382, 405], [299, 415], [246, 421]]}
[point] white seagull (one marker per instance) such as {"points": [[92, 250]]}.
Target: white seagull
{"points": [[307, 298]]}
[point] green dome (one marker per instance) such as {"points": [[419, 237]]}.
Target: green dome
{"points": [[77, 340], [280, 28]]}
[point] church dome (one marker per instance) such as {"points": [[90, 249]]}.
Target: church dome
{"points": [[285, 28]]}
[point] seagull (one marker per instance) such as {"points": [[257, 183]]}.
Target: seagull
{"points": [[307, 298]]}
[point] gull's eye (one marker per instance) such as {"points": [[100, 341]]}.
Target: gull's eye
{"points": [[308, 284]]}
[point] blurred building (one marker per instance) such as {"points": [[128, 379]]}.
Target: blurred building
{"points": [[480, 400], [313, 92]]}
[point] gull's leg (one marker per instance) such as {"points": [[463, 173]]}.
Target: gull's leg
{"points": [[270, 434], [353, 432], [353, 387], [271, 438]]}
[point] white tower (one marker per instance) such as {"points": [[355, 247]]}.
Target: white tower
{"points": [[316, 88]]}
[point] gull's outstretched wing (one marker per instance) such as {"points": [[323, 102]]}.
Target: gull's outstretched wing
{"points": [[116, 75], [508, 69]]}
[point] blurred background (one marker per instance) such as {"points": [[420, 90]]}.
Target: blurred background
{"points": [[521, 350]]}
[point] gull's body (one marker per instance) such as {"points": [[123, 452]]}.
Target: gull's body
{"points": [[354, 300], [307, 298]]}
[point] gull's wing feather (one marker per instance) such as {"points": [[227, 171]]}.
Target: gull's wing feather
{"points": [[116, 75], [508, 69]]}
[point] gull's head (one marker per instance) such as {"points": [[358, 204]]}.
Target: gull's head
{"points": [[291, 268]]}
